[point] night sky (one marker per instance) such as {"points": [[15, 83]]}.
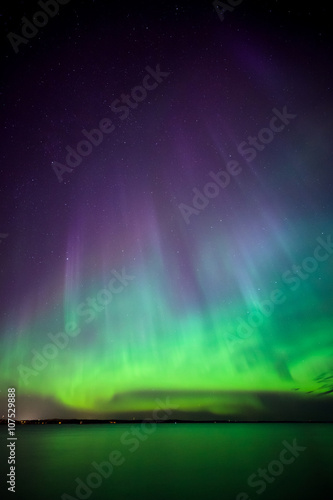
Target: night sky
{"points": [[166, 210]]}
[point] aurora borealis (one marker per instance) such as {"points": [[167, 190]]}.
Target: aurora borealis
{"points": [[110, 297]]}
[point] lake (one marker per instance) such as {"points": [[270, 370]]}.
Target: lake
{"points": [[171, 461]]}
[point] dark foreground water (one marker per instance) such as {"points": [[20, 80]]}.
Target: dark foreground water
{"points": [[171, 461]]}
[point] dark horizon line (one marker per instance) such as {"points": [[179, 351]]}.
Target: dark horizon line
{"points": [[58, 421]]}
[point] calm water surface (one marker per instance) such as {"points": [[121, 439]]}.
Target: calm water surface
{"points": [[171, 461]]}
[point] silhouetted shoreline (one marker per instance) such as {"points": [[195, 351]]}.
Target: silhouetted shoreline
{"points": [[56, 421]]}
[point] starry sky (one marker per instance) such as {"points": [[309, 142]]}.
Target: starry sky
{"points": [[166, 210]]}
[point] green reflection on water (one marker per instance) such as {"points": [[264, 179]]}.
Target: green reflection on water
{"points": [[170, 461]]}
